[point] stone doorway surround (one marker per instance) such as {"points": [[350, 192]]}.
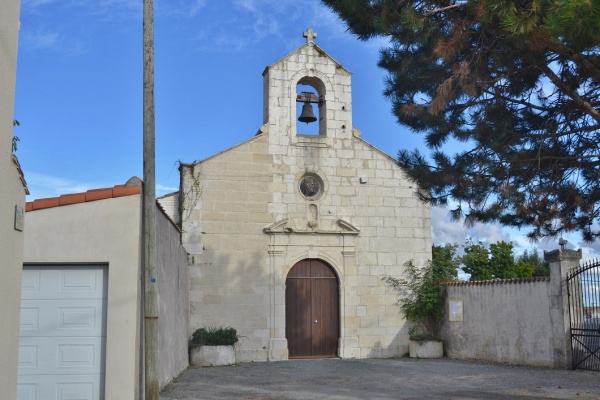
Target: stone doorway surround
{"points": [[336, 247]]}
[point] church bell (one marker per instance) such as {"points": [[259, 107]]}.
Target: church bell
{"points": [[307, 113]]}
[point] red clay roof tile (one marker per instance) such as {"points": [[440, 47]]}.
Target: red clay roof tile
{"points": [[122, 190], [74, 198], [98, 194], [499, 281], [90, 195], [45, 203]]}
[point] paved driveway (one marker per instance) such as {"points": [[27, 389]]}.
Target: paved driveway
{"points": [[400, 378]]}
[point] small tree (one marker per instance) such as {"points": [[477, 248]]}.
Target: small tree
{"points": [[476, 261], [533, 261], [422, 295], [499, 262]]}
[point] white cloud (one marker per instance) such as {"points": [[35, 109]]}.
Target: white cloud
{"points": [[44, 39], [162, 189], [180, 8], [41, 39], [42, 186], [248, 22], [447, 231], [33, 4], [92, 6], [196, 6]]}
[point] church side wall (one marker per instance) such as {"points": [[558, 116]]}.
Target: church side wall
{"points": [[224, 213]]}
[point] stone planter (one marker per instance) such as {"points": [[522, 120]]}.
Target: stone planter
{"points": [[210, 356], [426, 349]]}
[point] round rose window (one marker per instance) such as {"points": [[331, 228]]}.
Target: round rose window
{"points": [[311, 186]]}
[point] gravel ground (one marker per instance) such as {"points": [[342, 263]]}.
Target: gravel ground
{"points": [[399, 378]]}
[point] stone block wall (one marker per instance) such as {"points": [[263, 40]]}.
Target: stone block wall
{"points": [[246, 223], [366, 188], [224, 212]]}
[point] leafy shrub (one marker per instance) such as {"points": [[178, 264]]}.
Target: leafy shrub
{"points": [[424, 337], [214, 336], [422, 295]]}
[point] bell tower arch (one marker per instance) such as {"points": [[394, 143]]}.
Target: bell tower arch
{"points": [[307, 78]]}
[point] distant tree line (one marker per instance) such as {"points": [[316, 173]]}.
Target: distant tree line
{"points": [[496, 261]]}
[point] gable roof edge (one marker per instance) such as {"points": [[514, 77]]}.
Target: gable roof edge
{"points": [[255, 137], [383, 153], [316, 46]]}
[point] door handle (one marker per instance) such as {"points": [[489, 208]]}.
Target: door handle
{"points": [[315, 321]]}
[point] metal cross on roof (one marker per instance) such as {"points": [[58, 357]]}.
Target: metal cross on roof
{"points": [[309, 34]]}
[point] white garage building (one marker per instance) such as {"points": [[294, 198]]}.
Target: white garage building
{"points": [[80, 333]]}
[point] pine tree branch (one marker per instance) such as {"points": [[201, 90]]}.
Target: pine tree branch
{"points": [[522, 102], [589, 64], [587, 107], [443, 9]]}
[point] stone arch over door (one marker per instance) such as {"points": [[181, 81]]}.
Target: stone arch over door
{"points": [[312, 303]]}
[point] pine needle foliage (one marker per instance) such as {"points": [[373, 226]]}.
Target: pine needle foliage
{"points": [[516, 84]]}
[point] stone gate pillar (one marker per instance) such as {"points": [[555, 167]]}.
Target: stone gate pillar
{"points": [[561, 262]]}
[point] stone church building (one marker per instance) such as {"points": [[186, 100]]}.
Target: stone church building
{"points": [[289, 234]]}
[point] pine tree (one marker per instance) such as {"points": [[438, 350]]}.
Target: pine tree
{"points": [[517, 84]]}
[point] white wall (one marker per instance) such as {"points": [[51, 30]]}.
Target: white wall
{"points": [[11, 194], [504, 321], [519, 321], [105, 231], [174, 301]]}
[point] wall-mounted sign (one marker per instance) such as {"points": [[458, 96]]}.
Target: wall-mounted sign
{"points": [[455, 310], [19, 218]]}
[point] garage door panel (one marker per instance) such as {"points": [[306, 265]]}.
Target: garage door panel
{"points": [[26, 391], [56, 388], [69, 283], [30, 318], [83, 317], [63, 333], [30, 282], [73, 356]]}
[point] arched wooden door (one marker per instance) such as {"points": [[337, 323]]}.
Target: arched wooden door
{"points": [[312, 310]]}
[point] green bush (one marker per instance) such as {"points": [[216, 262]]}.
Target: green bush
{"points": [[422, 295], [425, 337], [214, 336]]}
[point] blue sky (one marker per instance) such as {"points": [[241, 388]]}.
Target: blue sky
{"points": [[79, 89]]}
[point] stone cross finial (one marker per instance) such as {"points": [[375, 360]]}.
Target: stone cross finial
{"points": [[309, 34]]}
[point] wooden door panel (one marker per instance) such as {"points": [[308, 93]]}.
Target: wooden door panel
{"points": [[325, 312], [298, 325], [312, 310]]}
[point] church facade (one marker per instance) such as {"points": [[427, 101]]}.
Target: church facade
{"points": [[290, 234]]}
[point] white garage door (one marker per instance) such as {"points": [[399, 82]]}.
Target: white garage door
{"points": [[63, 333]]}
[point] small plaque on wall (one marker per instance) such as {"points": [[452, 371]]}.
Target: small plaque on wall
{"points": [[456, 310], [19, 218]]}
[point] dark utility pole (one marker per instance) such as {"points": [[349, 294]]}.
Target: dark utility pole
{"points": [[149, 284]]}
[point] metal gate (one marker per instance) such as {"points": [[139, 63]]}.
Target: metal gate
{"points": [[583, 288]]}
